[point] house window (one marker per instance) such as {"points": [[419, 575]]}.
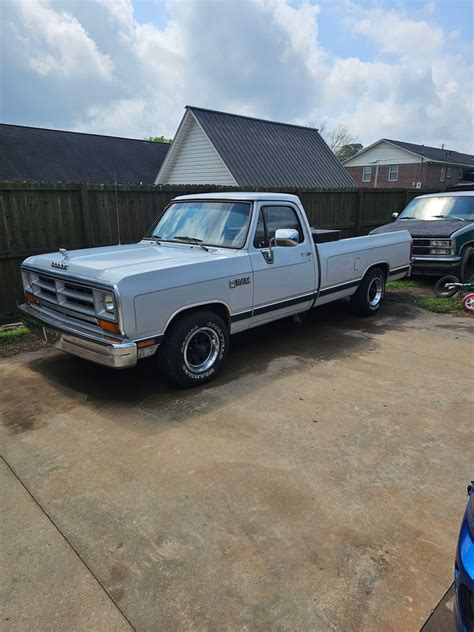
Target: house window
{"points": [[460, 173], [393, 173], [366, 174], [442, 176], [449, 172]]}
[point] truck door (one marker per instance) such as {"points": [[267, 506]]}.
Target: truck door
{"points": [[284, 276]]}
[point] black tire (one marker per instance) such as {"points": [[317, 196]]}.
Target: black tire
{"points": [[370, 294], [195, 348], [441, 291], [467, 266]]}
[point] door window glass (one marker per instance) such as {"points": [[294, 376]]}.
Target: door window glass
{"points": [[270, 219], [260, 239]]}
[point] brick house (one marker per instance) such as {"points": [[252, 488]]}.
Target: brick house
{"points": [[395, 164]]}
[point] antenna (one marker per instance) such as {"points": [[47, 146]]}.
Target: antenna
{"points": [[116, 208]]}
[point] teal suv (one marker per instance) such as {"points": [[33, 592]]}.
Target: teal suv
{"points": [[442, 227]]}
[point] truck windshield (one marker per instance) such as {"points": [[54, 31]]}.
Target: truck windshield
{"points": [[222, 224], [442, 207]]}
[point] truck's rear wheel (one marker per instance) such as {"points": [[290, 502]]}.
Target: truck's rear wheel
{"points": [[370, 294], [194, 348]]}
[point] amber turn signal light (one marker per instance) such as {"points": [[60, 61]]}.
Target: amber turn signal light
{"points": [[108, 326], [30, 297], [146, 343]]}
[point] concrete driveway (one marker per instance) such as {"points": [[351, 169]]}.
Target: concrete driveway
{"points": [[318, 484]]}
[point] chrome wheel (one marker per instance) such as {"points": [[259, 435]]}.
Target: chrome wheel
{"points": [[201, 350], [375, 292]]}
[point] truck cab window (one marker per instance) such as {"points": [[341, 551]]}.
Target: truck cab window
{"points": [[281, 217], [260, 239]]}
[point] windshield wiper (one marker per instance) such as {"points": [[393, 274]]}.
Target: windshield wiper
{"points": [[155, 238], [192, 240]]}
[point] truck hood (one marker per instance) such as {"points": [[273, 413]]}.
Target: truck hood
{"points": [[423, 228], [112, 263]]}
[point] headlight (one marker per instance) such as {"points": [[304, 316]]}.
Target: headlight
{"points": [[109, 303], [440, 243], [440, 251]]}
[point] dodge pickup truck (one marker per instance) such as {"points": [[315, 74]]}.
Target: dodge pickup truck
{"points": [[442, 227], [212, 265]]}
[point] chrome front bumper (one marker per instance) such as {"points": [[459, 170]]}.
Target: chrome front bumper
{"points": [[424, 264], [101, 349]]}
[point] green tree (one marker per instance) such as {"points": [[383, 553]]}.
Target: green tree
{"points": [[349, 150], [159, 139]]}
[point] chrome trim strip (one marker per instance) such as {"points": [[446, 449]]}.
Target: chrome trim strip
{"points": [[437, 258]]}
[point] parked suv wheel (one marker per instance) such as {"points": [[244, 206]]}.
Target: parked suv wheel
{"points": [[467, 266], [370, 294], [194, 348]]}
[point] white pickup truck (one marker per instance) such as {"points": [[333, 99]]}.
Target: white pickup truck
{"points": [[211, 266]]}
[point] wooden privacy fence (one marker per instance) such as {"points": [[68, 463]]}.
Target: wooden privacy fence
{"points": [[36, 218]]}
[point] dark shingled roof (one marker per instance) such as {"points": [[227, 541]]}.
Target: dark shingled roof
{"points": [[435, 153], [263, 153], [34, 155]]}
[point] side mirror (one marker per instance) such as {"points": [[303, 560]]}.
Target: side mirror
{"points": [[395, 216], [286, 237]]}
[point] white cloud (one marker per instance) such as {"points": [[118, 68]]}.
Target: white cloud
{"points": [[57, 43], [398, 34], [94, 66]]}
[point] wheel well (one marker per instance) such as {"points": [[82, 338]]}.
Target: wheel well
{"points": [[466, 247], [218, 308], [383, 266]]}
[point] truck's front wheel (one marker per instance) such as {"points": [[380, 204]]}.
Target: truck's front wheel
{"points": [[194, 348], [370, 293]]}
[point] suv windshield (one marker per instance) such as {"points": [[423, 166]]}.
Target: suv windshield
{"points": [[222, 224], [443, 207]]}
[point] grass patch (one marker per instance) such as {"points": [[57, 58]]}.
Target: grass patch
{"points": [[403, 283], [10, 335], [439, 305], [420, 293]]}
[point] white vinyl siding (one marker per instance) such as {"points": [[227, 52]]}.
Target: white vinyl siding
{"points": [[366, 174], [196, 160], [382, 153]]}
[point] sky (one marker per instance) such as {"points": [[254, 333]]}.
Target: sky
{"points": [[398, 69]]}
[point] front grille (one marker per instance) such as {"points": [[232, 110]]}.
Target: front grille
{"points": [[421, 246], [64, 296]]}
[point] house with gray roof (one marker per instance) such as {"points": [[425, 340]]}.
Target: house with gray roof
{"points": [[218, 148], [33, 154], [395, 164]]}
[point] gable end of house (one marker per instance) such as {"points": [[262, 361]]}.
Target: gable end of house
{"points": [[193, 159]]}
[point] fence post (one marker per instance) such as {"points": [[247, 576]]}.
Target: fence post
{"points": [[359, 209], [86, 214]]}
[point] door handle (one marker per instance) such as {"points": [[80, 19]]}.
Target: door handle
{"points": [[306, 254]]}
